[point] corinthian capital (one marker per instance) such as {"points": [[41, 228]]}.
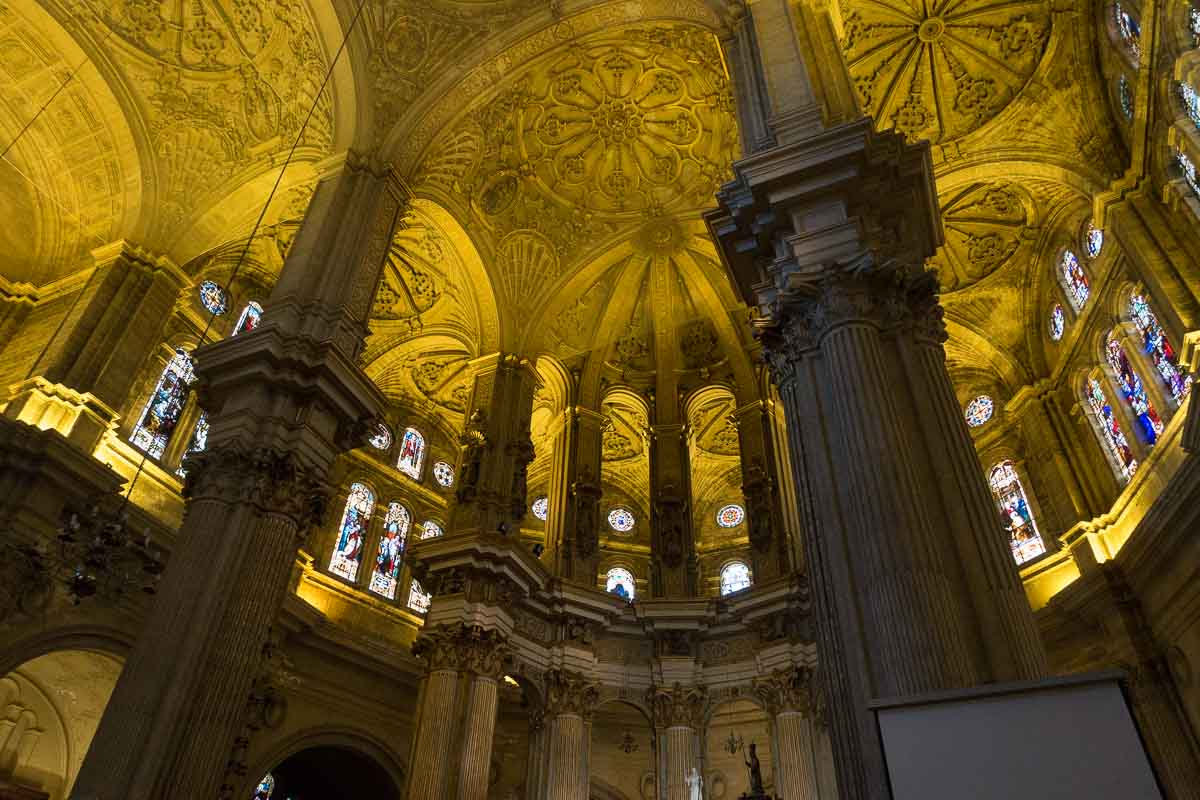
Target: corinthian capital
{"points": [[469, 648], [570, 693], [792, 689], [679, 706], [274, 481]]}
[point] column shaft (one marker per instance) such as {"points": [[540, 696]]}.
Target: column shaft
{"points": [[681, 760], [796, 775], [566, 772], [478, 729], [435, 732]]}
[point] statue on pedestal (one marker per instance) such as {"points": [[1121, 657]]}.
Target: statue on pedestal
{"points": [[756, 782], [695, 785]]}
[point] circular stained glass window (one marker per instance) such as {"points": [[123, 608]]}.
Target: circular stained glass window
{"points": [[731, 516], [213, 298], [621, 520], [979, 410], [1058, 322], [443, 473], [541, 507], [430, 529], [382, 438], [1093, 240]]}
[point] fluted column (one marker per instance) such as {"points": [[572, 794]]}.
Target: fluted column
{"points": [[914, 588], [484, 661], [788, 696], [535, 768], [678, 716], [283, 402], [570, 701]]}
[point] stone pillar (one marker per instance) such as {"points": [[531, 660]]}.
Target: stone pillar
{"points": [[676, 569], [914, 587], [465, 663], [80, 349], [570, 701], [283, 402], [573, 523], [770, 551], [788, 698], [535, 769], [678, 717], [496, 449]]}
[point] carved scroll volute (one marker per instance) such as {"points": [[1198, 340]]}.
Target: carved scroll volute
{"points": [[586, 495], [470, 648]]}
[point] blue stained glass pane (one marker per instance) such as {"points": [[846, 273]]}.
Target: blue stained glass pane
{"points": [[1156, 345], [391, 552], [161, 414]]}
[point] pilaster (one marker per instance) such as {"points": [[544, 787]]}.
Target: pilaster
{"points": [[770, 552], [673, 541], [283, 401]]}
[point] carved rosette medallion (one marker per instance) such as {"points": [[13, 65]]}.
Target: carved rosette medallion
{"points": [[940, 70], [985, 224]]}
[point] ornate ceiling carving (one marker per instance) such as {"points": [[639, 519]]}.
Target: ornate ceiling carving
{"points": [[940, 70], [985, 224]]}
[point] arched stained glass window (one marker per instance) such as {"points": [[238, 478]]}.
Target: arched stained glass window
{"points": [[1191, 101], [1135, 393], [735, 576], [1074, 280], [1115, 443], [1130, 31], [161, 414], [352, 533], [1093, 240], [443, 473], [1015, 515], [1125, 96], [391, 551], [619, 581], [418, 599], [731, 516], [213, 298], [541, 508], [1194, 25], [1058, 322], [248, 321], [197, 444], [266, 788], [979, 410], [382, 438], [1158, 348], [1189, 171], [621, 520], [430, 530], [412, 453]]}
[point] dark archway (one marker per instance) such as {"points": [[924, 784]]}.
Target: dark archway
{"points": [[330, 773]]}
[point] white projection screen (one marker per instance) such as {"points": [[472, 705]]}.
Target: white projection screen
{"points": [[1061, 739]]}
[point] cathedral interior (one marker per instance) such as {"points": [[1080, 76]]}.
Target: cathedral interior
{"points": [[568, 399]]}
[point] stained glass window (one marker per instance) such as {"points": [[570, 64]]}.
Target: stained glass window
{"points": [[352, 533], [443, 473], [213, 298], [1131, 33], [621, 520], [430, 530], [391, 551], [197, 444], [382, 438], [1110, 430], [1156, 345], [541, 508], [248, 321], [1191, 101], [1189, 171], [979, 410], [1194, 25], [1074, 280], [1135, 393], [735, 576], [161, 414], [620, 582], [1058, 322], [266, 787], [418, 599], [1015, 514], [412, 454], [1093, 240], [1125, 97], [731, 516]]}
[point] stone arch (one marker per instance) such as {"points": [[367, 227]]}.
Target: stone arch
{"points": [[359, 741], [620, 724]]}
